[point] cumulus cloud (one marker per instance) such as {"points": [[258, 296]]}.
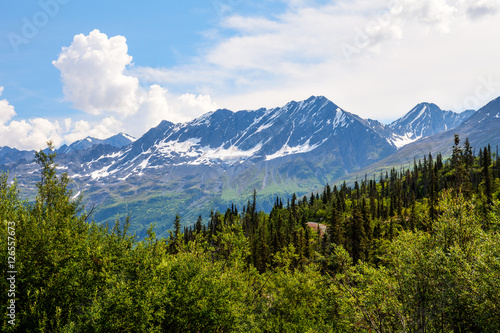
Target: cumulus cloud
{"points": [[96, 81], [33, 134], [30, 134], [94, 71], [77, 130], [376, 58], [158, 104], [6, 110]]}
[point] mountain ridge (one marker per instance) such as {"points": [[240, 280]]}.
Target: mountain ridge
{"points": [[220, 158], [424, 120], [482, 128]]}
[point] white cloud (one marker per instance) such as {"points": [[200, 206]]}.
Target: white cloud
{"points": [[30, 134], [6, 110], [192, 106], [375, 58], [443, 14], [33, 134], [102, 129], [95, 77], [95, 80], [158, 104], [398, 53], [478, 8], [92, 71]]}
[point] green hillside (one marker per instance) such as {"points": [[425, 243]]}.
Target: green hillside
{"points": [[417, 251]]}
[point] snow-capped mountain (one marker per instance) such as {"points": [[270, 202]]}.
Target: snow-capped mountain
{"points": [[424, 120], [482, 128], [119, 140], [221, 157], [227, 138], [12, 155]]}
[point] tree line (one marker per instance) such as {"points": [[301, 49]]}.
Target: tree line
{"points": [[414, 250]]}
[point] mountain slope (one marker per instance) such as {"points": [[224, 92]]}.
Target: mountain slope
{"points": [[220, 158], [482, 128], [9, 155], [425, 119], [223, 156], [119, 140]]}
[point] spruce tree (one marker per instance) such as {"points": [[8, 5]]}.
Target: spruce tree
{"points": [[199, 224], [486, 175], [433, 194], [334, 229], [356, 235], [457, 162]]}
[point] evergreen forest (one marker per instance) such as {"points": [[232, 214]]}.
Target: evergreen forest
{"points": [[410, 250]]}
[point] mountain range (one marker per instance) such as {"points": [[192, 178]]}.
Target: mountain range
{"points": [[426, 119], [482, 128], [9, 155], [118, 141], [221, 157]]}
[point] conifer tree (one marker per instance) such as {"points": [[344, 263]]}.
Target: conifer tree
{"points": [[175, 237], [468, 156], [334, 229], [356, 235], [199, 224], [486, 175], [457, 162], [433, 194]]}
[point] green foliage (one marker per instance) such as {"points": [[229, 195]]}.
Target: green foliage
{"points": [[417, 251], [298, 301], [447, 280]]}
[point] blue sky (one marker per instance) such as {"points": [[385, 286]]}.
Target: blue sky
{"points": [[159, 34], [72, 68]]}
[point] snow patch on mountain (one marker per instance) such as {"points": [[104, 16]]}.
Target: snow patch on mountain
{"points": [[143, 165], [287, 150], [203, 120], [422, 111], [76, 195], [195, 154], [184, 148], [229, 155], [129, 137], [402, 140], [101, 173], [263, 127], [340, 119]]}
